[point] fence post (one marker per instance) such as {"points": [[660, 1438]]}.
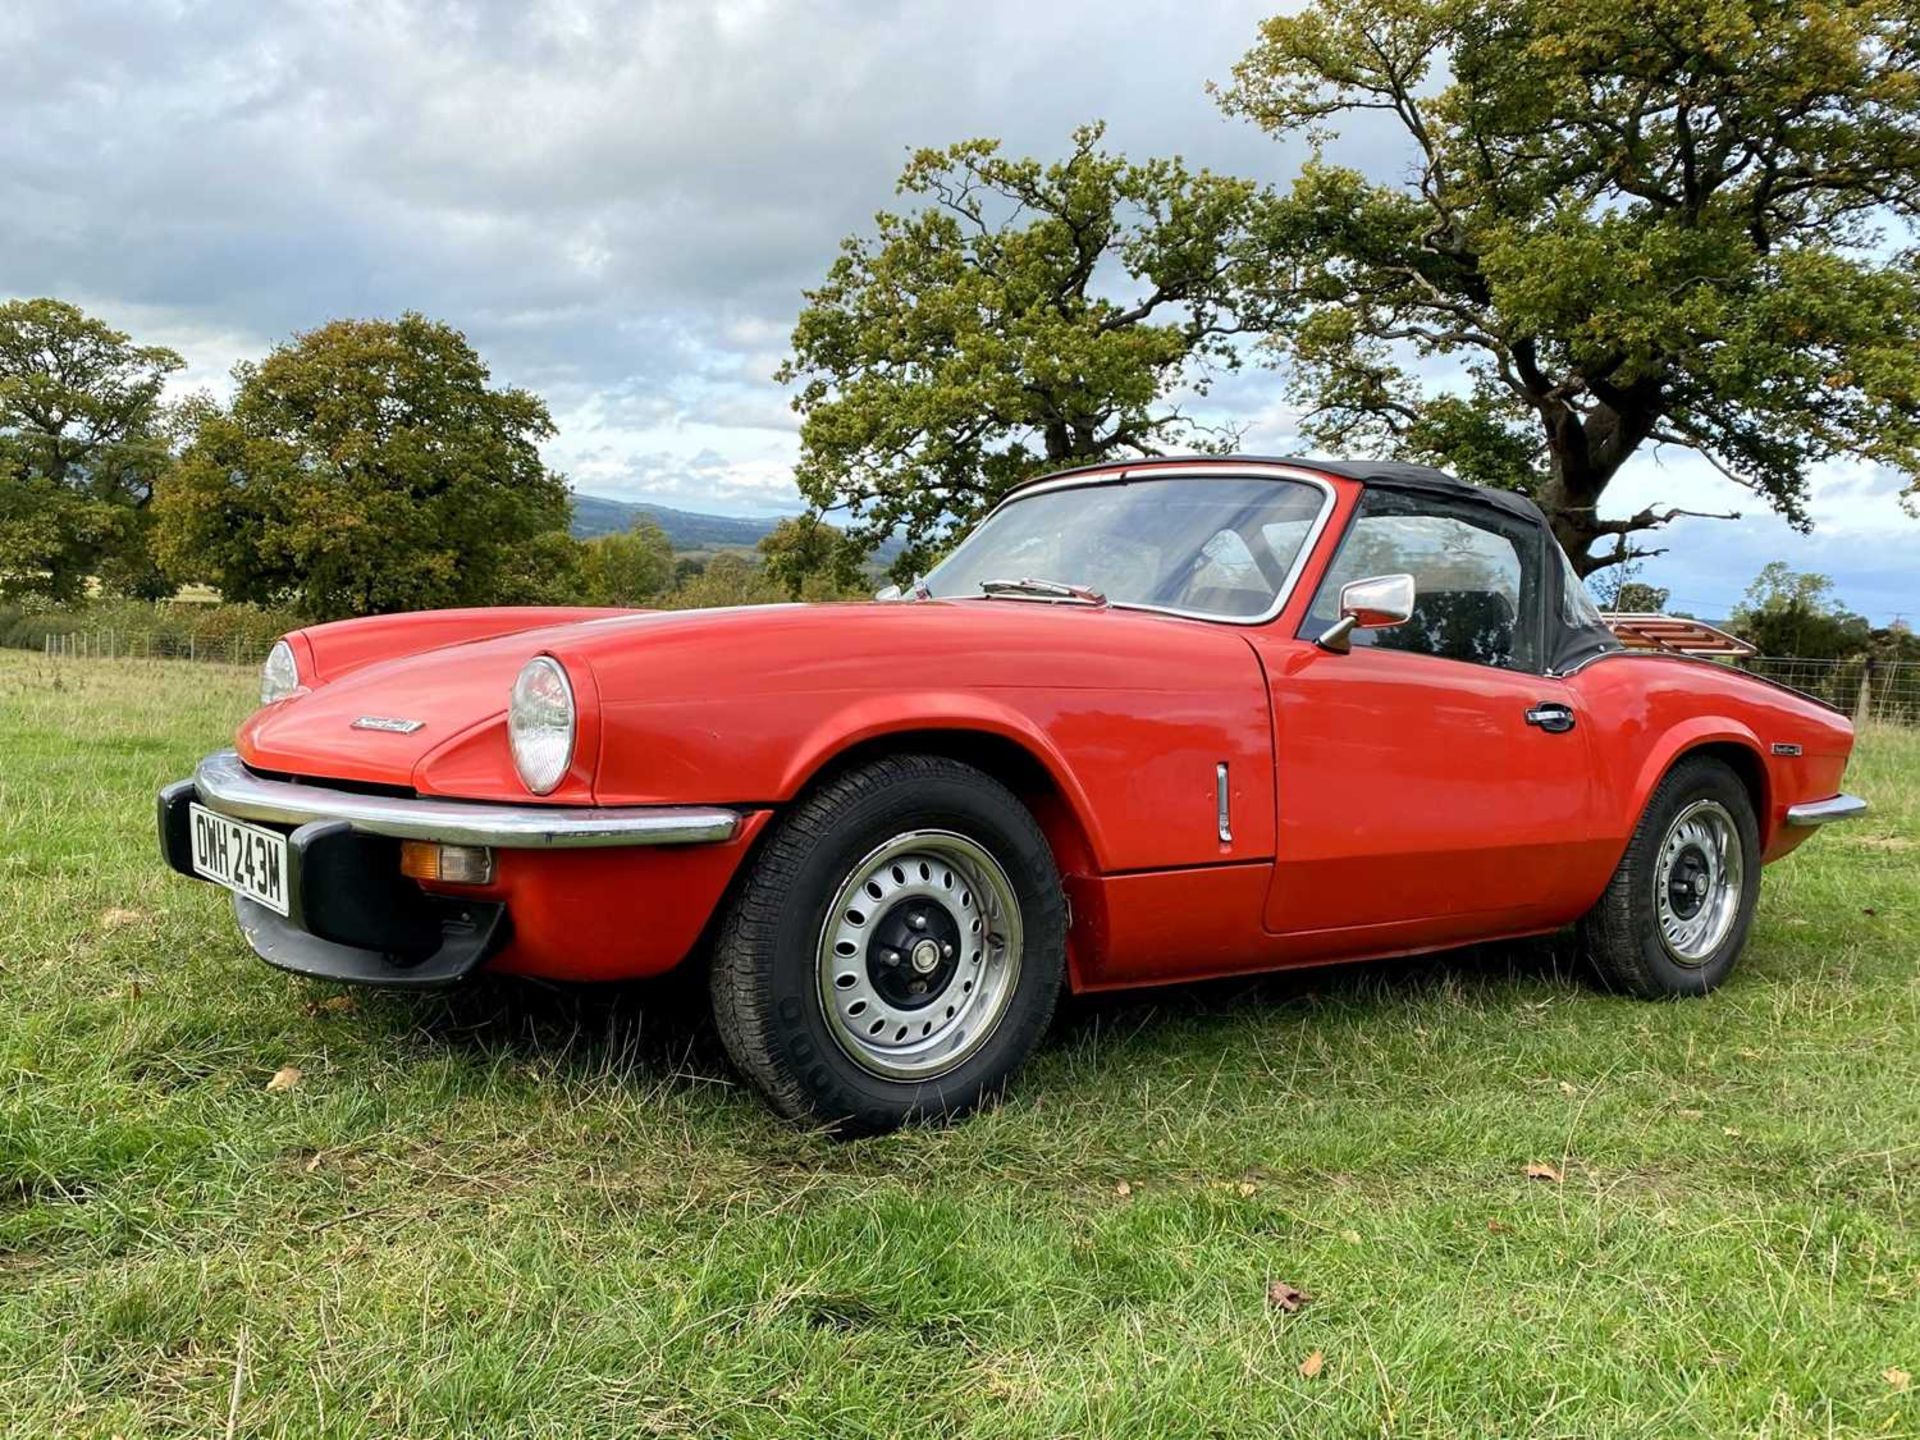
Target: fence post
{"points": [[1863, 706]]}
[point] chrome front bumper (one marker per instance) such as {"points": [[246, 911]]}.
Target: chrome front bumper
{"points": [[225, 784], [1825, 812]]}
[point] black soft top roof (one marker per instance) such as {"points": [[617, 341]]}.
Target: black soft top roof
{"points": [[1574, 630], [1389, 474]]}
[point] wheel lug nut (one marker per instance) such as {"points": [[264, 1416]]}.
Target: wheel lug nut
{"points": [[889, 957], [946, 952], [919, 922]]}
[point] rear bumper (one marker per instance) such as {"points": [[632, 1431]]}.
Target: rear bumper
{"points": [[1825, 812]]}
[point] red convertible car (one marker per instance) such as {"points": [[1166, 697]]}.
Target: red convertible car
{"points": [[1149, 722]]}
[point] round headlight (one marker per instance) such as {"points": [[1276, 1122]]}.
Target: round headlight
{"points": [[280, 676], [540, 724]]}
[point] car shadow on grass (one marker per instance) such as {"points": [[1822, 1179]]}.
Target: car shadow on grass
{"points": [[660, 1032]]}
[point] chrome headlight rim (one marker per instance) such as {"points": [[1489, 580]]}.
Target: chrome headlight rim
{"points": [[542, 749], [280, 675]]}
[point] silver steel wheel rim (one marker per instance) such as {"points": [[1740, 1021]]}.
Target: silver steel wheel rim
{"points": [[1698, 882], [931, 874]]}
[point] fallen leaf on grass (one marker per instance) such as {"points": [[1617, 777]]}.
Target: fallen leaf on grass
{"points": [[1352, 1237], [1691, 1114], [1311, 1366], [1540, 1170], [1730, 1132], [1123, 1189], [1245, 1188], [285, 1078], [1567, 1087], [1896, 1377], [115, 919], [1287, 1297], [1496, 1227]]}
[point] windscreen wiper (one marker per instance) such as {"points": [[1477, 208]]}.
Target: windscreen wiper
{"points": [[1044, 589]]}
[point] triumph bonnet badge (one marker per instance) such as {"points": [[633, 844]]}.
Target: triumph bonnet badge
{"points": [[387, 722]]}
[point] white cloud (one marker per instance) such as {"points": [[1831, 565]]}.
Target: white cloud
{"points": [[619, 201]]}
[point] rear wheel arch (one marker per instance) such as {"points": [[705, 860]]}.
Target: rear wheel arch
{"points": [[1745, 762], [1716, 738]]}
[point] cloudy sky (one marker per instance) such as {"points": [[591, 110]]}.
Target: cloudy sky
{"points": [[621, 202]]}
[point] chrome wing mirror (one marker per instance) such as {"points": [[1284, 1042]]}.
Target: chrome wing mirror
{"points": [[1377, 603]]}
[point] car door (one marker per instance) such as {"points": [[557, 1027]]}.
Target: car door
{"points": [[1433, 784]]}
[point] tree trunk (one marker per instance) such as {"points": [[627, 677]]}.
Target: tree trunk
{"points": [[1584, 454], [1571, 495]]}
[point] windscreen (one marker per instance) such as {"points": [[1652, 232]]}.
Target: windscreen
{"points": [[1215, 546]]}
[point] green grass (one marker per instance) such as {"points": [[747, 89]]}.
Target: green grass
{"points": [[519, 1212]]}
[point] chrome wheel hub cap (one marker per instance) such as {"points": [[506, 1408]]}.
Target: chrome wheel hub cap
{"points": [[1698, 882], [919, 955]]}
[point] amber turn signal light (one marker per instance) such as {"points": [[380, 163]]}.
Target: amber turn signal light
{"points": [[451, 864]]}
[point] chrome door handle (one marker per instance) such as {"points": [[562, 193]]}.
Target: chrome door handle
{"points": [[1555, 719]]}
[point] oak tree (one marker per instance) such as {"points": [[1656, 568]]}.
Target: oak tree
{"points": [[1026, 316], [1622, 224], [369, 466], [83, 439]]}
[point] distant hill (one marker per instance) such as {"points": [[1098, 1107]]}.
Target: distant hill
{"points": [[687, 529]]}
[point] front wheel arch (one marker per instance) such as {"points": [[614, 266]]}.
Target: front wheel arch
{"points": [[1015, 765]]}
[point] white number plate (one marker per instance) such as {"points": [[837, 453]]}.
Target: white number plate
{"points": [[244, 858]]}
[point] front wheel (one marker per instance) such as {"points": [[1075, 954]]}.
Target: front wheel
{"points": [[896, 949], [1675, 916]]}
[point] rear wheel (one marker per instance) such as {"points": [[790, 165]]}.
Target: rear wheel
{"points": [[896, 950], [1675, 916]]}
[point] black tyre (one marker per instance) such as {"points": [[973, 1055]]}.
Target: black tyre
{"points": [[1674, 917], [895, 951]]}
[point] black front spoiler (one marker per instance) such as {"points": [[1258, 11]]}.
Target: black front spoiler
{"points": [[352, 916], [467, 940]]}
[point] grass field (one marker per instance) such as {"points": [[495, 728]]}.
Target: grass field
{"points": [[516, 1212]]}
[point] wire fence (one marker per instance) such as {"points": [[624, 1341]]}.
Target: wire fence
{"points": [[1883, 692], [137, 645]]}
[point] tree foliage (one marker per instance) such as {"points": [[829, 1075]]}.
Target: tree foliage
{"points": [[726, 579], [1788, 612], [1637, 223], [1636, 597], [813, 560], [83, 440], [1028, 316], [631, 568], [370, 466]]}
